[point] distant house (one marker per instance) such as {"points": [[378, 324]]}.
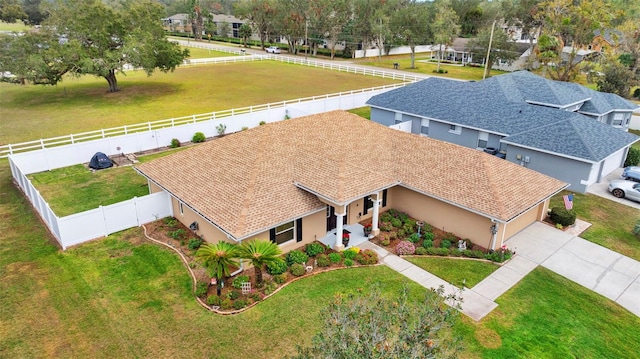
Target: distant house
{"points": [[182, 23], [605, 40], [303, 179], [561, 129], [177, 23]]}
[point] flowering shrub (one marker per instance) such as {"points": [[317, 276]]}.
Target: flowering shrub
{"points": [[351, 253], [367, 257], [500, 255], [405, 248], [368, 227]]}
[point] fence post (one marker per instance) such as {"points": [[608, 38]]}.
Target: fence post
{"points": [[102, 131], [71, 136], [125, 129], [42, 143]]}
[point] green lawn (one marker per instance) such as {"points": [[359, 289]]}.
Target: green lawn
{"points": [[548, 316], [427, 68], [611, 222], [195, 53], [16, 26], [83, 104], [455, 271], [637, 144]]}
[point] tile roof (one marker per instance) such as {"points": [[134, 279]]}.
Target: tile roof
{"points": [[500, 105], [252, 180]]}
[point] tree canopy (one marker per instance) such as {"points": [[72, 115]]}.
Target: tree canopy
{"points": [[89, 37]]}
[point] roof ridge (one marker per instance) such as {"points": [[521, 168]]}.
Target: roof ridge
{"points": [[495, 192], [579, 134], [251, 185]]}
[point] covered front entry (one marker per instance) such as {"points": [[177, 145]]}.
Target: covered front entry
{"points": [[331, 218]]}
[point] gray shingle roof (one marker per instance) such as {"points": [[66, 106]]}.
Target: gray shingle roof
{"points": [[499, 105]]}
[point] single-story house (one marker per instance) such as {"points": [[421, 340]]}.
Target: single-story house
{"points": [[561, 129], [299, 180]]}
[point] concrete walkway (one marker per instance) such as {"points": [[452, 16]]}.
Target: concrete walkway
{"points": [[605, 272]]}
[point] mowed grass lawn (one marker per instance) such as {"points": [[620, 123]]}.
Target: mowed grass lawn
{"points": [[611, 222], [83, 104], [423, 66], [456, 271], [196, 53]]}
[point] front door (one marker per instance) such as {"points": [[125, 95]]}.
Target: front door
{"points": [[332, 220]]}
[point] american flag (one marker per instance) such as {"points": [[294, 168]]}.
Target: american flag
{"points": [[568, 201]]}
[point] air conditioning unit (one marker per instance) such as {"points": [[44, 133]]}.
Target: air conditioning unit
{"points": [[193, 226]]}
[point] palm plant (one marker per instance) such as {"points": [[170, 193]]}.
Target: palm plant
{"points": [[218, 258], [260, 252]]}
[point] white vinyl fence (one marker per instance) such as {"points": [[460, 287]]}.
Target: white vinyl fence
{"points": [[102, 221]]}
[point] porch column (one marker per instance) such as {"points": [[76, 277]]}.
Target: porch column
{"points": [[339, 246], [376, 212]]}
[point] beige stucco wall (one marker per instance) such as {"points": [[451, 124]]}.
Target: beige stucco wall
{"points": [[520, 223], [205, 230], [153, 188], [444, 216]]}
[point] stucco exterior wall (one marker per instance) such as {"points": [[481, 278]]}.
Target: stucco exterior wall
{"points": [[444, 216], [564, 169], [521, 222], [206, 230]]}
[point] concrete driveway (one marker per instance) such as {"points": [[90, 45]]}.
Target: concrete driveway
{"points": [[600, 189], [594, 267]]}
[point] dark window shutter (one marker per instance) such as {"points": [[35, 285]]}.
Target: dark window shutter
{"points": [[366, 205], [272, 235], [384, 198], [299, 230]]}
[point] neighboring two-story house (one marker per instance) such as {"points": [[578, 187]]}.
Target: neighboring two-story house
{"points": [[561, 129]]}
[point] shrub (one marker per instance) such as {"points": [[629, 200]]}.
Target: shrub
{"points": [[405, 248], [195, 243], [323, 260], [455, 252], [400, 233], [313, 249], [198, 137], [472, 254], [296, 256], [428, 236], [414, 238], [386, 226], [428, 243], [396, 222], [171, 221], [270, 287], [233, 294], [237, 281], [636, 229], [175, 143], [214, 300], [350, 254], [401, 216], [335, 257], [297, 269], [421, 251], [636, 93], [385, 241], [633, 157], [240, 303], [438, 251], [201, 289], [386, 217], [262, 123], [280, 278], [275, 268], [348, 262], [221, 128], [409, 227], [450, 237], [177, 234], [562, 216], [226, 304], [558, 225], [367, 257], [256, 296], [446, 244], [244, 128], [427, 228]]}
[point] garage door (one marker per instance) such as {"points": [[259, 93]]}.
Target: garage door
{"points": [[612, 162]]}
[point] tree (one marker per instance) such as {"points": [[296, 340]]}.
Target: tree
{"points": [[471, 15], [11, 10], [630, 47], [291, 21], [197, 19], [524, 14], [35, 15], [444, 27], [376, 326], [571, 24], [83, 37], [259, 13], [223, 29], [502, 48], [218, 258], [616, 78], [410, 24], [260, 253], [245, 33]]}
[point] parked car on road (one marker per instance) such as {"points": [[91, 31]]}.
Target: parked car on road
{"points": [[273, 49], [631, 173], [625, 189]]}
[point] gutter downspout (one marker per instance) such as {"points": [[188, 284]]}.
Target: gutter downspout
{"points": [[241, 264], [494, 232]]}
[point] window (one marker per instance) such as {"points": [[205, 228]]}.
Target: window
{"points": [[285, 232], [368, 204], [617, 119], [455, 129], [181, 209], [424, 127], [483, 138]]}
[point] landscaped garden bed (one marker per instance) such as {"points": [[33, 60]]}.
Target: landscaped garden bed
{"points": [[245, 287], [403, 235]]}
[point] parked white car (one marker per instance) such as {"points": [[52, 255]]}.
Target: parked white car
{"points": [[273, 49], [625, 189]]}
